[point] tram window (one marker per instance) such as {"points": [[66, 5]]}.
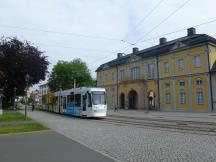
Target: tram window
{"points": [[78, 99], [98, 98], [70, 98], [89, 100]]}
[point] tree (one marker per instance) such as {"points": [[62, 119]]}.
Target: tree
{"points": [[64, 74], [17, 59]]}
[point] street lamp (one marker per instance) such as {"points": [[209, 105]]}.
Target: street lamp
{"points": [[27, 81], [60, 91], [14, 106], [1, 96]]}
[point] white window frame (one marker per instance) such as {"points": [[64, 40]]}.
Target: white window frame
{"points": [[135, 73], [181, 64], [166, 67], [197, 64], [200, 98], [167, 98], [199, 81], [121, 75], [182, 98], [166, 85], [151, 70], [181, 83]]}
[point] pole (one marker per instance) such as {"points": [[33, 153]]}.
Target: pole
{"points": [[14, 106], [26, 100], [60, 89], [1, 98], [74, 91], [27, 80]]}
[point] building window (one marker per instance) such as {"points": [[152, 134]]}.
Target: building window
{"points": [[181, 83], [197, 61], [200, 98], [168, 99], [135, 73], [182, 98], [180, 64], [106, 77], [121, 75], [167, 85], [166, 67], [113, 76], [113, 88], [151, 69], [199, 81]]}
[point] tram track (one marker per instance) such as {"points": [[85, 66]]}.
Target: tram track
{"points": [[204, 128]]}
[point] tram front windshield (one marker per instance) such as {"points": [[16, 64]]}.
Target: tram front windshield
{"points": [[98, 98]]}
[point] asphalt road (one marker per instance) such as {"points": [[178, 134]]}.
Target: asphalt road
{"points": [[46, 146]]}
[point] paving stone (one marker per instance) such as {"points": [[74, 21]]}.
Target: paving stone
{"points": [[129, 143]]}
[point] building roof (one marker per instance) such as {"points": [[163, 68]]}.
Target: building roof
{"points": [[160, 49]]}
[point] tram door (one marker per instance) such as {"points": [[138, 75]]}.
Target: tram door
{"points": [[84, 102]]}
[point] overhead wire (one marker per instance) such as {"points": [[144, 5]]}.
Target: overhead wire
{"points": [[158, 36], [143, 19], [164, 20], [61, 33]]}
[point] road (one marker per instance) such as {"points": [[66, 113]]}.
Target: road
{"points": [[130, 143], [45, 146]]}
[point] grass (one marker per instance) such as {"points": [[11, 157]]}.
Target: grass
{"points": [[24, 127], [14, 122], [11, 116]]}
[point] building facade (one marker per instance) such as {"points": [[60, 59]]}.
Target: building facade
{"points": [[175, 75], [43, 91]]}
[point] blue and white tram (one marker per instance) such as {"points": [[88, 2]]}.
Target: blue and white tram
{"points": [[84, 101]]}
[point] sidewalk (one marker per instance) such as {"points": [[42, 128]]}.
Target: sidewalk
{"points": [[45, 146], [181, 116]]}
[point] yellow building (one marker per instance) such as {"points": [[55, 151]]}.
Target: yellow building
{"points": [[177, 75]]}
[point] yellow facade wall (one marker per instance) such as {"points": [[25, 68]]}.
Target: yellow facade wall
{"points": [[212, 56], [189, 74], [199, 51], [179, 89], [203, 88], [167, 106]]}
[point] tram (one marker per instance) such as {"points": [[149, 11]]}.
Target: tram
{"points": [[84, 101]]}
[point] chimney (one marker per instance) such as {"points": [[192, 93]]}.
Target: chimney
{"points": [[135, 50], [162, 41], [191, 31], [119, 55]]}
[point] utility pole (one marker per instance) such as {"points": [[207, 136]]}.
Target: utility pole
{"points": [[26, 101], [14, 106], [1, 96], [74, 91]]}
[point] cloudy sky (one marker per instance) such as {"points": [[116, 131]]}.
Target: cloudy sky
{"points": [[93, 29]]}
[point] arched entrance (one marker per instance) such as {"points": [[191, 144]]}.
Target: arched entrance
{"points": [[151, 100], [122, 101], [133, 99]]}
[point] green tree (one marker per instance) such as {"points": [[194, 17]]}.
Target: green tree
{"points": [[17, 59], [64, 73]]}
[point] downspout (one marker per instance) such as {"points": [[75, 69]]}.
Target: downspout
{"points": [[117, 85], [210, 78], [158, 82]]}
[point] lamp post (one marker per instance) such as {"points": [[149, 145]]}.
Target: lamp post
{"points": [[1, 96], [14, 106], [27, 81], [60, 90]]}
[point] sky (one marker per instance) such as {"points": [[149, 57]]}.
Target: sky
{"points": [[94, 30]]}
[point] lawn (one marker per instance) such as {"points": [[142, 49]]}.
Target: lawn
{"points": [[13, 122], [11, 116], [24, 127]]}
